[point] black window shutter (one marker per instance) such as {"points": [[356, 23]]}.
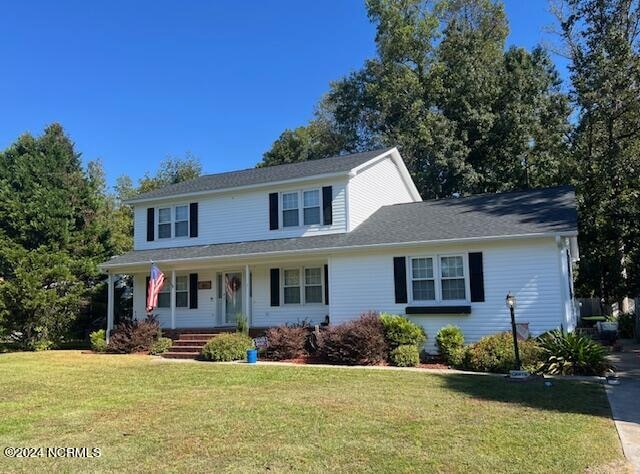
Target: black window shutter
{"points": [[326, 284], [193, 219], [146, 291], [400, 278], [275, 287], [193, 290], [273, 211], [151, 217], [327, 207], [476, 281]]}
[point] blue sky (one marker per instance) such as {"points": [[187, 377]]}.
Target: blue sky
{"points": [[134, 82]]}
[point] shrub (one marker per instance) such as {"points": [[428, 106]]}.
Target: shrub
{"points": [[405, 355], [571, 354], [398, 331], [626, 323], [227, 347], [136, 336], [160, 346], [450, 341], [98, 340], [495, 353], [359, 342], [286, 342]]}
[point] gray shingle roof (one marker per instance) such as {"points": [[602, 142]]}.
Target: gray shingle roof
{"points": [[255, 176], [541, 211]]}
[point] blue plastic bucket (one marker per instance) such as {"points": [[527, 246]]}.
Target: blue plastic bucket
{"points": [[252, 356]]}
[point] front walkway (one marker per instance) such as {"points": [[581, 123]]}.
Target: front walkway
{"points": [[625, 400]]}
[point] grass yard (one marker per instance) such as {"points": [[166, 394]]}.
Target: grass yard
{"points": [[150, 416]]}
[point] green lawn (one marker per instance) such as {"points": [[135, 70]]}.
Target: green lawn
{"points": [[150, 416]]}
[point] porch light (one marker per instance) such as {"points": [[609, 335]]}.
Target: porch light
{"points": [[511, 301]]}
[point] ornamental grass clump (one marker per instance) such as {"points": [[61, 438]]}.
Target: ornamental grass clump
{"points": [[571, 354]]}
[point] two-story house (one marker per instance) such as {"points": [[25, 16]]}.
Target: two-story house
{"points": [[330, 239]]}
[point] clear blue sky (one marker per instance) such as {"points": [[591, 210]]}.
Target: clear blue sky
{"points": [[135, 81]]}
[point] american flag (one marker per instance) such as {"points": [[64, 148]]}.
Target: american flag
{"points": [[156, 281]]}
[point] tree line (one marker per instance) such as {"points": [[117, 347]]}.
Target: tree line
{"points": [[469, 116]]}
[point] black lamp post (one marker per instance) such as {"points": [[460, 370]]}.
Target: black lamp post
{"points": [[511, 304]]}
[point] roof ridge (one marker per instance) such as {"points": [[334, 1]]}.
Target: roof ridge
{"points": [[485, 194]]}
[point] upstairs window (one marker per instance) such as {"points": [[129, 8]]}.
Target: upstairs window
{"points": [[173, 222], [290, 210], [311, 203], [452, 274], [164, 223], [181, 224]]}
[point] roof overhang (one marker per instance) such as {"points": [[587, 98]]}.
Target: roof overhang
{"points": [[105, 267]]}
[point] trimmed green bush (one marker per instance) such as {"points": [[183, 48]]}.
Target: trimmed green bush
{"points": [[227, 347], [98, 340], [450, 341], [162, 345], [495, 353], [571, 354], [399, 331], [405, 355]]}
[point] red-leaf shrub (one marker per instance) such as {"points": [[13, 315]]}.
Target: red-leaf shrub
{"points": [[286, 342], [359, 342], [134, 336]]}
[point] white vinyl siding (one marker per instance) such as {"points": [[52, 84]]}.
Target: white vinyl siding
{"points": [[374, 187], [529, 268], [241, 216]]}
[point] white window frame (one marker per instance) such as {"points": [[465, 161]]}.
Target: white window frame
{"points": [[186, 277], [172, 222], [166, 289], [302, 285], [434, 269], [305, 285], [437, 276], [283, 285], [301, 208]]}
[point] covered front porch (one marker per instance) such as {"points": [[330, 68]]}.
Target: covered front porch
{"points": [[212, 295]]}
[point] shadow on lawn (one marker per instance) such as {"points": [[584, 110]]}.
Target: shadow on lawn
{"points": [[586, 398]]}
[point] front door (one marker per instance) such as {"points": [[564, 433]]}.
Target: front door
{"points": [[232, 296]]}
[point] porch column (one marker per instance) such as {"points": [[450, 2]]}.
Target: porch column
{"points": [[110, 304], [173, 299], [247, 293]]}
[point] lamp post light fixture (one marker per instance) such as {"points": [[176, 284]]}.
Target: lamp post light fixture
{"points": [[511, 304]]}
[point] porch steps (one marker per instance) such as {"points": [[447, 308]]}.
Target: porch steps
{"points": [[188, 345]]}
